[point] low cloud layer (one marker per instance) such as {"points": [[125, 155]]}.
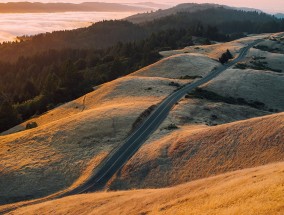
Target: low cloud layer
{"points": [[13, 25]]}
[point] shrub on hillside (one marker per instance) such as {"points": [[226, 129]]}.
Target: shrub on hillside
{"points": [[174, 84], [211, 96], [172, 126], [190, 77], [225, 57], [142, 117], [241, 66], [31, 125]]}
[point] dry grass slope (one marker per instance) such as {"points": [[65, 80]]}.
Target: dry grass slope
{"points": [[68, 139], [186, 154], [215, 51], [73, 138], [179, 65], [251, 191]]}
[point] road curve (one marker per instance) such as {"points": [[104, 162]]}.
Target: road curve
{"points": [[121, 155]]}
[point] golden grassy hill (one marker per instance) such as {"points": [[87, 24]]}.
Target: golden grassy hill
{"points": [[215, 51], [261, 82], [179, 65], [259, 77], [252, 191], [272, 60], [73, 138], [252, 85], [186, 154], [80, 133], [70, 138]]}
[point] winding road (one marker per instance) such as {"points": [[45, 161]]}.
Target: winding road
{"points": [[115, 160], [120, 156]]}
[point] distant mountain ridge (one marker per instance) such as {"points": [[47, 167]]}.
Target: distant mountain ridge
{"points": [[152, 5], [279, 15], [185, 7], [37, 7], [246, 9]]}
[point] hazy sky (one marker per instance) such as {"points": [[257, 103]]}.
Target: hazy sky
{"points": [[265, 5]]}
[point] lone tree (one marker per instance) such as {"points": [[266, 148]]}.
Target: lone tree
{"points": [[225, 57], [228, 54]]}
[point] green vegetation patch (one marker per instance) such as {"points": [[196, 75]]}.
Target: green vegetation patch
{"points": [[190, 77], [31, 125], [268, 49], [256, 65], [142, 117], [172, 126], [241, 66], [211, 96], [174, 84]]}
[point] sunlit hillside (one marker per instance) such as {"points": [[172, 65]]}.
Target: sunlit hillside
{"points": [[191, 150], [190, 153], [80, 133], [250, 191]]}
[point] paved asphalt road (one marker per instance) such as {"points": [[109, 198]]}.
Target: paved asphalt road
{"points": [[121, 155]]}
